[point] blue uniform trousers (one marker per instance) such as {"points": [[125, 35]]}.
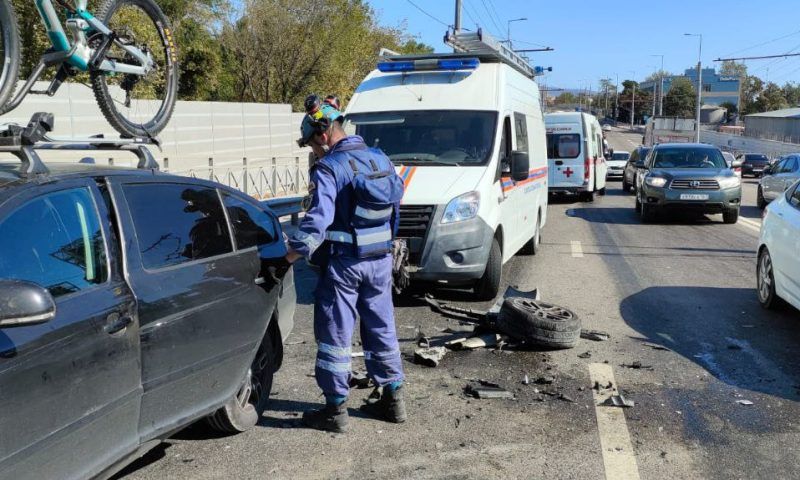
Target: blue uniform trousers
{"points": [[349, 287]]}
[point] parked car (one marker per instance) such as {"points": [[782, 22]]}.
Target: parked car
{"points": [[777, 178], [730, 159], [132, 303], [753, 163], [635, 163], [778, 268], [616, 164], [607, 127], [693, 176], [575, 154]]}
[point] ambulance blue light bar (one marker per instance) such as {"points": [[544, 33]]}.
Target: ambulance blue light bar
{"points": [[429, 65]]}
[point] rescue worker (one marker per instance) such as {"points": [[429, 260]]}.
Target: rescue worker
{"points": [[350, 239]]}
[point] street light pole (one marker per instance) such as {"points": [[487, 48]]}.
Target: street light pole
{"points": [[508, 31], [633, 99], [616, 99], [699, 84], [660, 86]]}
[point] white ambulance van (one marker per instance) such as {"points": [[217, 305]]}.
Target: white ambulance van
{"points": [[575, 154], [466, 133]]}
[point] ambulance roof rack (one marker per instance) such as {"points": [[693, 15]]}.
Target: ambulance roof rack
{"points": [[23, 142], [482, 44]]}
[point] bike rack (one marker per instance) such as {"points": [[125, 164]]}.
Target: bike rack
{"points": [[23, 142]]}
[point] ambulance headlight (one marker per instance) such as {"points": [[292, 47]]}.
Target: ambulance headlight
{"points": [[462, 208]]}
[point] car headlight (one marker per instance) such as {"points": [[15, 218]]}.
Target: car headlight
{"points": [[462, 208], [655, 181], [730, 182]]}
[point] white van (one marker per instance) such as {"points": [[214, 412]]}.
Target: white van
{"points": [[466, 134], [575, 154]]}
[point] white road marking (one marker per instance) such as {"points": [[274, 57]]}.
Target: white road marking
{"points": [[615, 441], [577, 250], [749, 224]]}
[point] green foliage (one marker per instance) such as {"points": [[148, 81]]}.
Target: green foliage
{"points": [[751, 90], [771, 98], [566, 98], [791, 91], [681, 99], [732, 69]]}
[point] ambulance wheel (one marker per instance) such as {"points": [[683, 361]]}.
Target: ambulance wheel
{"points": [[243, 410], [602, 191], [587, 196], [539, 323], [488, 286]]}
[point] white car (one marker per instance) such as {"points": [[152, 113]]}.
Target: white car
{"points": [[730, 160], [616, 164], [778, 270], [606, 128]]}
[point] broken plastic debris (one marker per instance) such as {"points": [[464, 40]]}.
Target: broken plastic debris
{"points": [[487, 392], [526, 380], [429, 357], [359, 380], [744, 402], [478, 341], [460, 328], [637, 365], [618, 401], [656, 346], [356, 354], [596, 335], [566, 398], [545, 380], [586, 354]]}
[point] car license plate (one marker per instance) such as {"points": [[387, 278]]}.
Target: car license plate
{"points": [[694, 196]]}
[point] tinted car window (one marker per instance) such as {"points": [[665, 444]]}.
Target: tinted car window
{"points": [[620, 156], [563, 145], [795, 198], [521, 129], [177, 223], [791, 165], [756, 159], [252, 226], [681, 157], [55, 241]]}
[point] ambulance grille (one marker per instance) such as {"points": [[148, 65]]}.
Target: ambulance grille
{"points": [[415, 220]]}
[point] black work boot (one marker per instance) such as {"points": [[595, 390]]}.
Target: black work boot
{"points": [[331, 418], [389, 406]]}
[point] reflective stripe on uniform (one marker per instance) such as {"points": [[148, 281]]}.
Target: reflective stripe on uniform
{"points": [[342, 237], [380, 356], [335, 367], [373, 214], [373, 238], [334, 350]]}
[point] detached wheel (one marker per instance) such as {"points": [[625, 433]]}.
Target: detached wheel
{"points": [[765, 278], [242, 411], [539, 322], [760, 200], [488, 286]]}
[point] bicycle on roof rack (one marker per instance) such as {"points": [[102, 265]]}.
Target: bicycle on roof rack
{"points": [[127, 50]]}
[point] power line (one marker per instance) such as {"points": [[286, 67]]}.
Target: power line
{"points": [[428, 14], [762, 44], [467, 7], [494, 11], [489, 14]]}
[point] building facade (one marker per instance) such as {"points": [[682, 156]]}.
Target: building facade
{"points": [[717, 89]]}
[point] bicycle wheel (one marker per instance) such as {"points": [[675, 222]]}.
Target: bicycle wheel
{"points": [[138, 105], [9, 53]]}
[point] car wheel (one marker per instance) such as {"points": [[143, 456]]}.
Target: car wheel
{"points": [[531, 247], [538, 322], [587, 196], [765, 278], [626, 187], [488, 286], [245, 408], [638, 205], [760, 200], [730, 216], [646, 212], [602, 191]]}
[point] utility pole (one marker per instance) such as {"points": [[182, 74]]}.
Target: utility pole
{"points": [[660, 86], [699, 84], [457, 25], [616, 99], [633, 99]]}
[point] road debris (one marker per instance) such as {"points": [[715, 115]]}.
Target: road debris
{"points": [[360, 380], [526, 380], [744, 402], [656, 346], [566, 398], [545, 380], [479, 341], [595, 335], [430, 357], [356, 354], [618, 401], [487, 390], [637, 365], [421, 339], [586, 354], [460, 328]]}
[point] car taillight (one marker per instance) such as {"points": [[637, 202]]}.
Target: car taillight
{"points": [[586, 166]]}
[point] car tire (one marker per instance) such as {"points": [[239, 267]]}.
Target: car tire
{"points": [[587, 197], [646, 212], [488, 286], [540, 323], [602, 191], [730, 216], [531, 247], [626, 187], [761, 202], [243, 410], [638, 206], [765, 280]]}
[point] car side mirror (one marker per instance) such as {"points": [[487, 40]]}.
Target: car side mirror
{"points": [[24, 303], [736, 164], [520, 166]]}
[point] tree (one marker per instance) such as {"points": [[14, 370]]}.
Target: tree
{"points": [[771, 98], [751, 90], [791, 91], [656, 76], [730, 68], [681, 99], [642, 99], [566, 98], [731, 110]]}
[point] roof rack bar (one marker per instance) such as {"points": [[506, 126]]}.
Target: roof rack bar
{"points": [[23, 143]]}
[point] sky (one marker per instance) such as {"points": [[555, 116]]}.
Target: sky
{"points": [[597, 39]]}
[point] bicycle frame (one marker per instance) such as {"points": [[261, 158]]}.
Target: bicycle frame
{"points": [[80, 22]]}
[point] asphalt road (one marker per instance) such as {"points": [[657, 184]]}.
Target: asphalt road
{"points": [[684, 283]]}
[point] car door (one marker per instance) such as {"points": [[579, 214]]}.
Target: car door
{"points": [[787, 246], [789, 173], [70, 388], [201, 311]]}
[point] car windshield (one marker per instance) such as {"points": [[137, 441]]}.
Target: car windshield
{"points": [[563, 145], [620, 156], [429, 137], [682, 157]]}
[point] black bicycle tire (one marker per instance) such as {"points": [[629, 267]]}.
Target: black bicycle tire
{"points": [[9, 29], [155, 125]]}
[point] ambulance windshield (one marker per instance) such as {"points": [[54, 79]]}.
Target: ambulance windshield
{"points": [[428, 137]]}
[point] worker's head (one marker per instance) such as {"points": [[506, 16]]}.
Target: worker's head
{"points": [[321, 128]]}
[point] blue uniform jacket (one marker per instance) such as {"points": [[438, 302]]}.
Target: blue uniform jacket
{"points": [[332, 201]]}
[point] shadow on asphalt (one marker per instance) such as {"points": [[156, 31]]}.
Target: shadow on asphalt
{"points": [[751, 212], [629, 216], [157, 453], [725, 331]]}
